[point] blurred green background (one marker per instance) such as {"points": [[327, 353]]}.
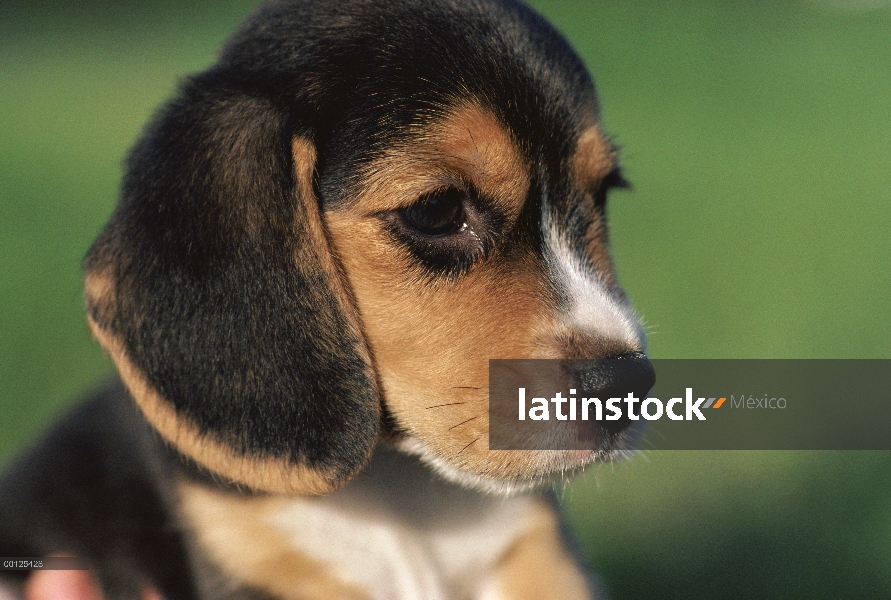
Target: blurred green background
{"points": [[758, 139]]}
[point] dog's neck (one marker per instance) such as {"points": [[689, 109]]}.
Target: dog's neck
{"points": [[396, 529]]}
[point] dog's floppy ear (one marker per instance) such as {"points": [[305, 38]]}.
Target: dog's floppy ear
{"points": [[214, 291]]}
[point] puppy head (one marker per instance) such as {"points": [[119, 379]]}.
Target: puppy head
{"points": [[341, 222]]}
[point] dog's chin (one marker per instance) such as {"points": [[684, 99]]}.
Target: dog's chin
{"points": [[542, 468]]}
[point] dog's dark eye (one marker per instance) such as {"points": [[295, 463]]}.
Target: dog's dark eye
{"points": [[613, 180], [440, 213], [446, 230]]}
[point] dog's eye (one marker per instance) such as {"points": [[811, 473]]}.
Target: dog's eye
{"points": [[437, 214], [446, 230], [613, 180]]}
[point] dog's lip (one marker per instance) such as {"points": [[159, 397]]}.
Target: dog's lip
{"points": [[581, 455], [566, 461]]}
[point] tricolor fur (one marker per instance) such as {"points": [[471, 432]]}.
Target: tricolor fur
{"points": [[307, 342]]}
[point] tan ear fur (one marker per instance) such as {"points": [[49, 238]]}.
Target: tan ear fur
{"points": [[273, 475]]}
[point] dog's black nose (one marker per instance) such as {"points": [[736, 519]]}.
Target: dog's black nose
{"points": [[617, 377]]}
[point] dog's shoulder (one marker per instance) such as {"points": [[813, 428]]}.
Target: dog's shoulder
{"points": [[97, 484]]}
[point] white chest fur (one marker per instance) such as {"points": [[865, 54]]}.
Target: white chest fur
{"points": [[395, 532]]}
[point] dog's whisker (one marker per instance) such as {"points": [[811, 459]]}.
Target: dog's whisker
{"points": [[467, 446], [446, 404], [462, 423], [465, 387]]}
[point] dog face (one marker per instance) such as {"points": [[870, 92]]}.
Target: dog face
{"points": [[328, 234]]}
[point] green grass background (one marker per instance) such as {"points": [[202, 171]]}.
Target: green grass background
{"points": [[758, 138]]}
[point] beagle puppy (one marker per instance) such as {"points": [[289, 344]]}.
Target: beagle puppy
{"points": [[320, 243]]}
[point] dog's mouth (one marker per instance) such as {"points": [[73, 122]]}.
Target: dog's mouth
{"points": [[507, 454], [541, 468]]}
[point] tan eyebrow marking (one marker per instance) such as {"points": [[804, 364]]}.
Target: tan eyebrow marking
{"points": [[469, 144], [594, 157], [475, 140]]}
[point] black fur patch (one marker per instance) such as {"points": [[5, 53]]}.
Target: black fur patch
{"points": [[99, 486]]}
